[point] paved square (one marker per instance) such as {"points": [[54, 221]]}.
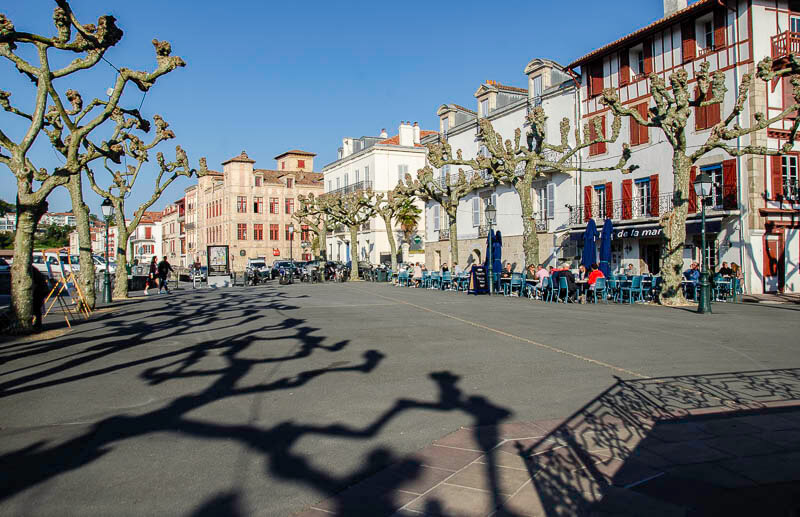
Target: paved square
{"points": [[271, 400]]}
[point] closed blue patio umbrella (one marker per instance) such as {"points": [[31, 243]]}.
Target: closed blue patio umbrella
{"points": [[605, 247], [497, 252], [589, 256]]}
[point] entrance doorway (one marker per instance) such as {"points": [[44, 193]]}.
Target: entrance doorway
{"points": [[650, 254], [774, 271], [437, 260]]}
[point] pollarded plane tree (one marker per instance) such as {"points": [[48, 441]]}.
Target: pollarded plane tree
{"points": [[520, 164], [68, 125], [447, 191], [395, 207], [122, 183], [352, 210], [673, 106], [311, 214]]}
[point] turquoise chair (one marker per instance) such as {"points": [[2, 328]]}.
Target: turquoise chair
{"points": [[517, 282], [435, 280], [402, 279], [426, 279], [634, 290], [542, 289], [447, 280], [563, 287], [601, 289]]}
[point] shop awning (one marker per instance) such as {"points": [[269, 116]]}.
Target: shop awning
{"points": [[647, 231]]}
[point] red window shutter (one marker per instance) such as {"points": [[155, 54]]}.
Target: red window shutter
{"points": [[587, 203], [720, 23], [609, 202], [788, 95], [648, 57], [729, 197], [644, 133], [692, 194], [777, 177], [654, 195], [596, 78], [592, 136], [689, 42], [624, 67], [634, 131], [601, 146], [627, 197], [712, 112], [699, 114]]}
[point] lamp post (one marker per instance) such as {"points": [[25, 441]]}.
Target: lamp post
{"points": [[702, 187], [108, 211], [491, 213], [291, 240]]}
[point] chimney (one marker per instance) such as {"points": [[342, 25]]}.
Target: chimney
{"points": [[347, 147], [416, 133], [384, 134], [406, 134], [672, 6]]}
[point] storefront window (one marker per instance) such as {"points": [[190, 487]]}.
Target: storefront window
{"points": [[712, 251]]}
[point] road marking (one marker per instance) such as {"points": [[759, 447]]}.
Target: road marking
{"points": [[513, 336]]}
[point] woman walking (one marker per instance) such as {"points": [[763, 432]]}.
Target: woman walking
{"points": [[152, 275]]}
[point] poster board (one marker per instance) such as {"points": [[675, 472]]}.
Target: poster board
{"points": [[218, 261], [478, 283]]}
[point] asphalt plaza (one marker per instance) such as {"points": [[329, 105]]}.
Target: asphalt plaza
{"points": [[267, 400]]}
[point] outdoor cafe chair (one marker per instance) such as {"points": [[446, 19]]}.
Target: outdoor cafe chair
{"points": [[722, 288], [601, 289], [515, 282], [563, 287], [541, 290], [633, 290], [402, 279], [736, 290], [426, 279], [447, 280], [435, 281]]}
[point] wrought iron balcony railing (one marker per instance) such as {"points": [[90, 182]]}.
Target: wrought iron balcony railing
{"points": [[483, 230], [355, 187], [542, 223], [444, 234]]}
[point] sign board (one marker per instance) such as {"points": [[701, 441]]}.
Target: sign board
{"points": [[417, 239], [218, 263], [276, 252], [478, 283]]}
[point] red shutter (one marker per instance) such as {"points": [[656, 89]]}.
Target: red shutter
{"points": [[720, 23], [788, 95], [644, 134], [654, 195], [777, 177], [712, 112], [624, 67], [587, 203], [692, 194], [627, 198], [648, 57], [689, 43], [699, 114], [601, 146], [609, 201], [730, 199], [596, 78], [634, 130]]}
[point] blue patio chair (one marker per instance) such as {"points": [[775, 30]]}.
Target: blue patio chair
{"points": [[736, 289], [435, 281], [563, 287], [402, 279], [634, 290], [541, 289], [601, 289], [517, 282], [655, 289], [447, 280], [426, 279]]}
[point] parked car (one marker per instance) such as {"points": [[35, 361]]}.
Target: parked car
{"points": [[100, 265], [4, 266], [282, 264]]}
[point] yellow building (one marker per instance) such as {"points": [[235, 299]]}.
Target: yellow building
{"points": [[250, 210]]}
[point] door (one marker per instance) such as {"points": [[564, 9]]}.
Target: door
{"points": [[651, 255], [773, 264], [437, 260]]}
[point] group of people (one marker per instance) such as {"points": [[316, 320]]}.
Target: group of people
{"points": [[733, 271], [157, 275]]}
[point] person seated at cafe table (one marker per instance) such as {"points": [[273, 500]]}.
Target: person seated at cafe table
{"points": [[445, 269], [724, 270], [530, 272], [594, 275], [541, 273], [630, 270], [417, 275], [582, 273], [506, 273], [692, 274]]}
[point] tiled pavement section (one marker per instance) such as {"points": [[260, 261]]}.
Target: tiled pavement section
{"points": [[625, 458]]}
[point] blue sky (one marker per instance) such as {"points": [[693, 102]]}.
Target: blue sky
{"points": [[271, 76]]}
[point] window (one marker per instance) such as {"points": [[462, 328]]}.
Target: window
{"points": [[476, 211], [708, 35], [706, 116], [366, 173], [258, 205], [258, 232], [358, 176], [337, 184], [274, 232], [346, 180], [598, 147], [273, 205], [595, 78], [641, 203], [283, 165], [536, 90], [443, 174], [599, 205], [789, 177], [241, 204], [289, 182], [330, 186], [436, 218], [258, 181], [305, 233], [545, 198], [639, 133], [402, 170], [301, 164], [483, 151], [289, 205], [148, 232], [242, 232], [638, 59], [289, 235], [715, 171], [484, 108]]}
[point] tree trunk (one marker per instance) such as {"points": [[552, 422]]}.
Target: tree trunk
{"points": [[21, 279], [121, 279], [392, 244], [530, 238], [86, 275], [323, 250], [674, 224], [453, 223], [354, 251]]}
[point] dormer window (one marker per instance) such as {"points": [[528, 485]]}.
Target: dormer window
{"points": [[289, 182], [536, 87], [258, 181], [283, 165], [484, 107], [445, 124], [301, 164]]}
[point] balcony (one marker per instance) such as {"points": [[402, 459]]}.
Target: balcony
{"points": [[784, 44], [355, 187], [444, 234], [483, 230], [542, 223]]}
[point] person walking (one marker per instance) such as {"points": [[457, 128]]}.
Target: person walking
{"points": [[152, 276], [40, 291], [164, 269]]}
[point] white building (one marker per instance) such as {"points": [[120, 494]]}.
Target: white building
{"points": [[8, 222], [143, 244], [376, 163], [58, 219], [506, 107]]}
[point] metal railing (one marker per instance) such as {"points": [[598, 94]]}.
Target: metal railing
{"points": [[444, 234], [542, 224], [355, 187], [785, 43], [483, 230]]}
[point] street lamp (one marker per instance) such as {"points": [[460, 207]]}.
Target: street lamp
{"points": [[291, 240], [702, 187], [108, 211], [491, 213]]}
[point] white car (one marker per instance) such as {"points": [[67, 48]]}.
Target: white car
{"points": [[100, 265]]}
